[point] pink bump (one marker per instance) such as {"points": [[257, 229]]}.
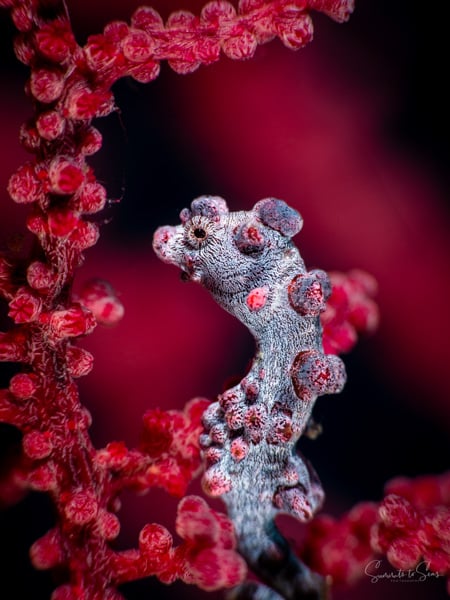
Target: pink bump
{"points": [[239, 449], [257, 298]]}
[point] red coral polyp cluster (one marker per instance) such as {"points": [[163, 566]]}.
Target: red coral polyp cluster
{"points": [[208, 547], [187, 40], [410, 525], [168, 456], [414, 523], [173, 438], [350, 310], [340, 548], [206, 557]]}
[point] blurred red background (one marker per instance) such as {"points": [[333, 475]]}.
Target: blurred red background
{"points": [[353, 131]]}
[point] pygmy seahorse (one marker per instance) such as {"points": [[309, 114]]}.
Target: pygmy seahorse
{"points": [[252, 268]]}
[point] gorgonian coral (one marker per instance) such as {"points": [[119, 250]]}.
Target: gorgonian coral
{"points": [[410, 526]]}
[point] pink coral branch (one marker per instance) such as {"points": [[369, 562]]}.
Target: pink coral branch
{"points": [[411, 524], [350, 310]]}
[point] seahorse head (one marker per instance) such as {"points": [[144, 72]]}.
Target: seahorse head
{"points": [[229, 252]]}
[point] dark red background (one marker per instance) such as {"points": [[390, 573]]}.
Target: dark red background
{"points": [[354, 132]]}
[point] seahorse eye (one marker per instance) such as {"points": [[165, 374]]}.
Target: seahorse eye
{"points": [[200, 233], [197, 231]]}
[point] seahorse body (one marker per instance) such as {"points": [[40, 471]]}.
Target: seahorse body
{"points": [[250, 265]]}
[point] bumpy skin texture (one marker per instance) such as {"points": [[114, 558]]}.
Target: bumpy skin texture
{"points": [[250, 265]]}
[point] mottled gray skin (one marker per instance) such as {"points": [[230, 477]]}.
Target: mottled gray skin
{"points": [[249, 264]]}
